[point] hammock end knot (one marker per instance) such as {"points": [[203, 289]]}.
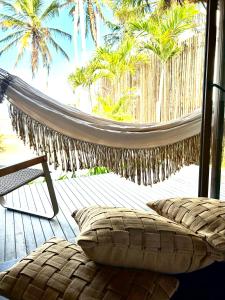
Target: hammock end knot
{"points": [[4, 83]]}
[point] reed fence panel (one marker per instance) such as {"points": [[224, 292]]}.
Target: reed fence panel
{"points": [[182, 87]]}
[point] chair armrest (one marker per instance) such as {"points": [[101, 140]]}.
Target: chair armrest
{"points": [[23, 165]]}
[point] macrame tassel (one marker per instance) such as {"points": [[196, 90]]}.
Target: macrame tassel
{"points": [[143, 166]]}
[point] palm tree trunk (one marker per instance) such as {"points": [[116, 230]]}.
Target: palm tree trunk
{"points": [[160, 98], [75, 33], [98, 28], [82, 32]]}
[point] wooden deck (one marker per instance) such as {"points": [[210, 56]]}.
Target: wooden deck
{"points": [[21, 233]]}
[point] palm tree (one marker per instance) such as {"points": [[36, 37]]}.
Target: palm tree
{"points": [[112, 64], [86, 17], [108, 63], [81, 81], [160, 33], [126, 10], [24, 21]]}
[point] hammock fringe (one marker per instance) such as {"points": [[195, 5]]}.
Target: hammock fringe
{"points": [[143, 166]]}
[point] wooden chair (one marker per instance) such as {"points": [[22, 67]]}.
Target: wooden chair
{"points": [[17, 175]]}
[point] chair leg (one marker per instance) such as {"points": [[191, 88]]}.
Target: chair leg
{"points": [[51, 194], [50, 189]]}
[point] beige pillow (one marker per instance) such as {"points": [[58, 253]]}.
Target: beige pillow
{"points": [[203, 216], [60, 270], [138, 239]]}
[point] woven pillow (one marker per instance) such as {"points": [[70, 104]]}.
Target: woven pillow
{"points": [[61, 270], [203, 216], [131, 238]]}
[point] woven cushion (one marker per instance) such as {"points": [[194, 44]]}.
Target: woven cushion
{"points": [[131, 238], [203, 216], [60, 270]]}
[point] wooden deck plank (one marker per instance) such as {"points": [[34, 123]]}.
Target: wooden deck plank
{"points": [[98, 195], [27, 224], [20, 243], [91, 197], [88, 197], [135, 199], [21, 233], [30, 240], [64, 218], [50, 229], [23, 230], [71, 194], [35, 221], [117, 195], [10, 248], [67, 199]]}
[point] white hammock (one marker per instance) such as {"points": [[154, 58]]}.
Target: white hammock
{"points": [[144, 153]]}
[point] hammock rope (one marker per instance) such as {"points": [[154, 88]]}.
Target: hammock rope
{"points": [[145, 154]]}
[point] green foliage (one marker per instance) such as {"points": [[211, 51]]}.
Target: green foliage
{"points": [[25, 24], [124, 11], [108, 63], [67, 176], [162, 30], [116, 111], [159, 32], [142, 28], [92, 171], [80, 77], [97, 171], [112, 64], [63, 177]]}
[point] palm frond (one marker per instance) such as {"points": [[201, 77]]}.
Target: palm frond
{"points": [[71, 5], [7, 22], [11, 36], [60, 33], [72, 11], [58, 48], [161, 32], [78, 78], [9, 46], [27, 31], [51, 11], [37, 5], [24, 8], [8, 6], [20, 55], [46, 55], [100, 9]]}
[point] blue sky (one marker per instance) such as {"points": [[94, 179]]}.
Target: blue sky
{"points": [[58, 86]]}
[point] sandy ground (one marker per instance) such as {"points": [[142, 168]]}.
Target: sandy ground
{"points": [[15, 150]]}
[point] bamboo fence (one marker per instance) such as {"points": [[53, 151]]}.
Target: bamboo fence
{"points": [[182, 88]]}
